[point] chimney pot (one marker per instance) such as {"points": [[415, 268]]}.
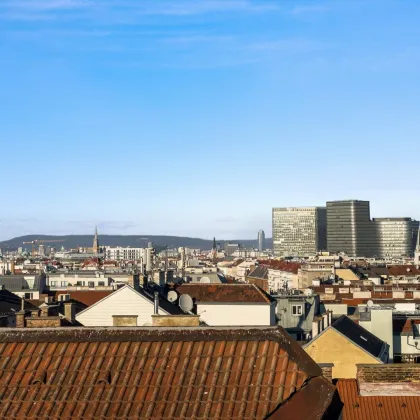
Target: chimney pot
{"points": [[156, 302]]}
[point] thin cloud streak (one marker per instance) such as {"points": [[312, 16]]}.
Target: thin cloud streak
{"points": [[19, 9]]}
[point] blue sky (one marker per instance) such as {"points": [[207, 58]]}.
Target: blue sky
{"points": [[197, 117]]}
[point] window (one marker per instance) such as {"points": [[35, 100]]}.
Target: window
{"points": [[91, 284], [297, 310], [53, 283], [28, 295], [101, 283], [63, 284]]}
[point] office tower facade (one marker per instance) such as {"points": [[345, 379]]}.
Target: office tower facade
{"points": [[396, 236], [261, 240], [417, 251], [350, 229], [298, 231]]}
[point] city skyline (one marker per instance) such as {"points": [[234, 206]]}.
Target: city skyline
{"points": [[112, 109]]}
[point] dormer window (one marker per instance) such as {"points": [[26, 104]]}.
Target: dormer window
{"points": [[297, 310]]}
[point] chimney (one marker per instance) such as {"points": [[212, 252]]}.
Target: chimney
{"points": [[325, 320], [145, 282], [156, 303], [401, 379], [326, 370], [315, 328], [45, 309], [49, 299], [20, 316], [70, 312], [176, 320]]}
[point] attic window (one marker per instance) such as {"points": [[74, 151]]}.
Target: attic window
{"points": [[297, 310], [39, 378], [104, 378]]}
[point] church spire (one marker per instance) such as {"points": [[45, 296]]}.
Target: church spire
{"points": [[95, 241]]}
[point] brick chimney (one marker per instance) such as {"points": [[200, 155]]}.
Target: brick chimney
{"points": [[20, 319], [175, 320], [401, 379], [326, 370], [70, 312]]}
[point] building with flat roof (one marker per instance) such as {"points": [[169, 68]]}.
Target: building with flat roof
{"points": [[396, 236], [350, 229], [298, 231], [261, 240]]}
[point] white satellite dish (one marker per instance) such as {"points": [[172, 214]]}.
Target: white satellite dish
{"points": [[172, 296], [369, 303], [205, 280], [186, 303]]}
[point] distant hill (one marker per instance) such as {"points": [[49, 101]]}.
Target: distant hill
{"points": [[140, 241]]}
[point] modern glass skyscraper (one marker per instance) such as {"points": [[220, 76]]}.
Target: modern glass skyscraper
{"points": [[350, 229], [261, 240], [299, 231], [396, 236]]}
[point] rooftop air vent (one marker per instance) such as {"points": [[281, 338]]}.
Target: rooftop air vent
{"points": [[104, 378], [39, 378]]}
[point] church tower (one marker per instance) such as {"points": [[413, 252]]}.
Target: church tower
{"points": [[214, 250], [95, 247]]}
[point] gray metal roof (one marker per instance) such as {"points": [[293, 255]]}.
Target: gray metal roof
{"points": [[18, 283]]}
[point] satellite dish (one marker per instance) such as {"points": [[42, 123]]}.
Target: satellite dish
{"points": [[369, 303], [186, 303], [172, 296], [205, 280]]}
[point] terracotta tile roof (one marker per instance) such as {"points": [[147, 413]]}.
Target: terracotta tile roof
{"points": [[404, 325], [88, 297], [225, 293], [375, 408], [149, 373], [281, 265], [403, 270]]}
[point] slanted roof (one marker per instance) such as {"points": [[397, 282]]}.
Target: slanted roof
{"points": [[404, 270], [387, 407], [18, 283], [10, 303], [157, 373], [86, 297], [282, 265], [259, 272], [346, 274], [360, 336], [225, 293], [166, 306]]}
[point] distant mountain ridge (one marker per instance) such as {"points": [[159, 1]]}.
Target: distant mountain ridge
{"points": [[139, 241]]}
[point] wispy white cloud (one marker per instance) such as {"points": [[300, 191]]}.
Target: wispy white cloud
{"points": [[308, 9], [291, 46], [44, 5], [120, 9]]}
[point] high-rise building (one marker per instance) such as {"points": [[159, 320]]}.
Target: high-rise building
{"points": [[261, 240], [396, 236], [349, 228], [299, 231], [417, 251]]}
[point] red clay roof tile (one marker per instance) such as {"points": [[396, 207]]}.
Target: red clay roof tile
{"points": [[357, 407], [225, 293], [150, 373]]}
